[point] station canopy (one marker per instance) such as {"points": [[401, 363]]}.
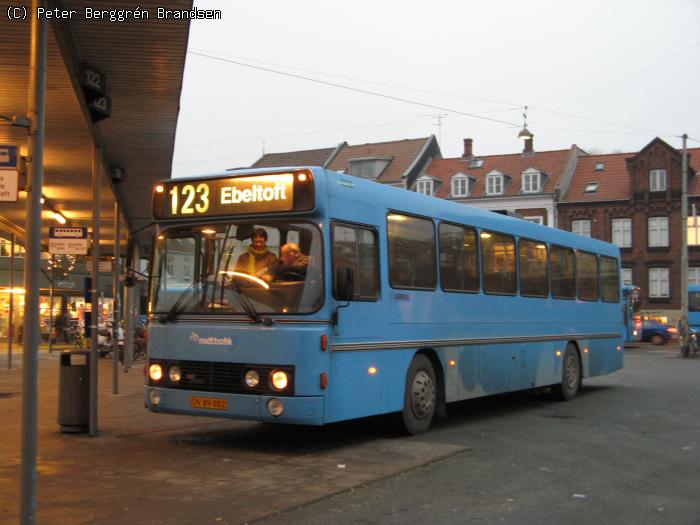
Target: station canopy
{"points": [[142, 64]]}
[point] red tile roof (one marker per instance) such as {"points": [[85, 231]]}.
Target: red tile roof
{"points": [[311, 157], [614, 180], [403, 153], [552, 163]]}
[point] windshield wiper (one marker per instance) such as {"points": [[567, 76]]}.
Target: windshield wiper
{"points": [[178, 306], [246, 303]]}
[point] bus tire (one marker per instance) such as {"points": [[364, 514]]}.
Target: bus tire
{"points": [[657, 340], [420, 397], [570, 375]]}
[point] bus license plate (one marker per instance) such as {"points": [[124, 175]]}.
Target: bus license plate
{"points": [[213, 403]]}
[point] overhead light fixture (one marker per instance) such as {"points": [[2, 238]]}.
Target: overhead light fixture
{"points": [[59, 218]]}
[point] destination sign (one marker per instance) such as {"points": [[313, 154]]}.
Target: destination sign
{"points": [[273, 193]]}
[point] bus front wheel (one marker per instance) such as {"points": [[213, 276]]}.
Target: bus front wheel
{"points": [[570, 375], [420, 397]]}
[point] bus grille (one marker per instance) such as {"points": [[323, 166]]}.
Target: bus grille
{"points": [[209, 376]]}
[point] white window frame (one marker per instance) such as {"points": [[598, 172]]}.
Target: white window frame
{"points": [[657, 231], [627, 276], [657, 180], [622, 232], [581, 227], [658, 282], [693, 230], [693, 275], [535, 219], [531, 182], [424, 186], [494, 184], [460, 182]]}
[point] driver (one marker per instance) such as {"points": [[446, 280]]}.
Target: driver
{"points": [[257, 260], [292, 264]]}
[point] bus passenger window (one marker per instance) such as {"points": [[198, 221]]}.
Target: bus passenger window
{"points": [[587, 274], [356, 247], [562, 271], [609, 280], [411, 252], [459, 258], [498, 253], [532, 256]]}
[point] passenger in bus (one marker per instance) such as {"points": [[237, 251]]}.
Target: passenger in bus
{"points": [[257, 260], [291, 266]]}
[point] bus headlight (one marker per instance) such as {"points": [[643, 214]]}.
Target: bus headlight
{"points": [[155, 372], [251, 379], [174, 373], [154, 397], [279, 380]]}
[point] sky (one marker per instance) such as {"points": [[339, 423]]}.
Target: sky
{"points": [[274, 76]]}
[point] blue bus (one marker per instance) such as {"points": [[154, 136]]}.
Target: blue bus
{"points": [[400, 302], [631, 304], [694, 308]]}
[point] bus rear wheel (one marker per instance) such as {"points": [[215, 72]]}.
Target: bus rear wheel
{"points": [[570, 375], [420, 397]]}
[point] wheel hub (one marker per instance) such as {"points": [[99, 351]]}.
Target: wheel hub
{"points": [[422, 394]]}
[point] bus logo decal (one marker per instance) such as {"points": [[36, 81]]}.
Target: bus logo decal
{"points": [[211, 340]]}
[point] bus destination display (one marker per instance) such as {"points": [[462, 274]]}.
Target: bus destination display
{"points": [[228, 196]]}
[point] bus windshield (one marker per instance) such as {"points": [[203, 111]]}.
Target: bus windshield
{"points": [[238, 268]]}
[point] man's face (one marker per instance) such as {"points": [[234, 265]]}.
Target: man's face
{"points": [[259, 242], [289, 256]]}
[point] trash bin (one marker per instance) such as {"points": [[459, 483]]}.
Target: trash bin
{"points": [[74, 392]]}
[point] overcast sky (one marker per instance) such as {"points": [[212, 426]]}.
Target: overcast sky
{"points": [[605, 75]]}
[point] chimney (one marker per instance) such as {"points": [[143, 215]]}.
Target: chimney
{"points": [[468, 149], [529, 149]]}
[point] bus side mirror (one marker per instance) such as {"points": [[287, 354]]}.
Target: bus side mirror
{"points": [[344, 283]]}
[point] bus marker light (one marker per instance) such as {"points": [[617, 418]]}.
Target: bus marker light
{"points": [[585, 350], [558, 352], [155, 372], [275, 407], [619, 348], [324, 380], [452, 362], [301, 177], [160, 188], [154, 396], [372, 370], [324, 342]]}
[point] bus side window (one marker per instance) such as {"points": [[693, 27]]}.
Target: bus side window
{"points": [[609, 280], [534, 279], [459, 258], [561, 262], [587, 276], [356, 247], [411, 252], [498, 252]]}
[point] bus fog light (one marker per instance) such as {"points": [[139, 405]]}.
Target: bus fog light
{"points": [[155, 372], [174, 373], [279, 380], [154, 396], [252, 378], [275, 407]]}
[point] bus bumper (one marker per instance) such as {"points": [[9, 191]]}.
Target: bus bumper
{"points": [[297, 410]]}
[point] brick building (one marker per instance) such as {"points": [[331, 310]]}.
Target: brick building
{"points": [[634, 201]]}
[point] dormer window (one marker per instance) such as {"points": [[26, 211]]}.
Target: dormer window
{"points": [[476, 163], [591, 187], [600, 166], [532, 181], [424, 186], [368, 168], [494, 183], [460, 185], [657, 180]]}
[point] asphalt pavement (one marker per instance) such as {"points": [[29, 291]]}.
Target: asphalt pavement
{"points": [[625, 451]]}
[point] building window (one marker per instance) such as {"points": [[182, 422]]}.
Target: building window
{"points": [[627, 276], [622, 232], [536, 220], [600, 166], [693, 276], [581, 227], [424, 186], [694, 230], [591, 187], [460, 186], [658, 282], [494, 185], [531, 182], [657, 180], [369, 168], [658, 232]]}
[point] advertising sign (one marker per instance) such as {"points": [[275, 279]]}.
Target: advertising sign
{"points": [[9, 185]]}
